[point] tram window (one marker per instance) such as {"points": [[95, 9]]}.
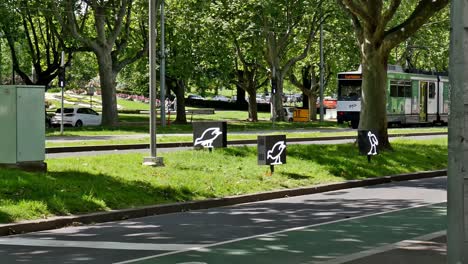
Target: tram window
{"points": [[408, 91], [400, 88], [349, 90], [432, 90], [394, 91], [401, 91]]}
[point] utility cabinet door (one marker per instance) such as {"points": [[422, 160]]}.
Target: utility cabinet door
{"points": [[7, 125], [31, 124]]}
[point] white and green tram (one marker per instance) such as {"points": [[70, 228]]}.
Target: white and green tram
{"points": [[412, 98]]}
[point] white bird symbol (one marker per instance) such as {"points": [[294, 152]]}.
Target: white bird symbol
{"points": [[208, 137], [374, 143], [277, 150]]}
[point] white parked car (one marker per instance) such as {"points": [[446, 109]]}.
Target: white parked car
{"points": [[221, 98], [77, 117]]}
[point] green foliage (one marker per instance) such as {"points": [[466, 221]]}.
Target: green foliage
{"points": [[428, 49], [201, 35], [82, 70]]}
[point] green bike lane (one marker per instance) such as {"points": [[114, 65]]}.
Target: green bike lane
{"points": [[317, 243]]}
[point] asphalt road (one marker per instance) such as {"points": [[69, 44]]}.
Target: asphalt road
{"points": [[317, 228]]}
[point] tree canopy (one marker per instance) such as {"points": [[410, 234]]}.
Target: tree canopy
{"points": [[214, 45]]}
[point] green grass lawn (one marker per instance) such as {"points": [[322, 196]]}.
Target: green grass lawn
{"points": [[168, 138], [139, 127], [99, 183]]}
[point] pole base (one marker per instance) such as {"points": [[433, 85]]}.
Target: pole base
{"points": [[153, 161]]}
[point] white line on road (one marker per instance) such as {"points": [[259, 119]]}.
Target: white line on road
{"points": [[94, 244], [373, 251], [272, 233]]}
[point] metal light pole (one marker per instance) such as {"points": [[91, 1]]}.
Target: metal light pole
{"points": [[162, 68], [457, 239], [1, 58], [62, 85], [153, 160], [321, 73]]}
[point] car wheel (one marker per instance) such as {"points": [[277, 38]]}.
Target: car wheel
{"points": [[79, 123], [354, 124]]}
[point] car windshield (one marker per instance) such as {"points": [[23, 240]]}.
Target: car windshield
{"points": [[65, 110]]}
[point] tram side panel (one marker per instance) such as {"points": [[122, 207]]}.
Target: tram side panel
{"points": [[409, 100]]}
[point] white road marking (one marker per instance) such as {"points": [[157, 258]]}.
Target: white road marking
{"points": [[377, 250], [271, 233], [94, 244]]}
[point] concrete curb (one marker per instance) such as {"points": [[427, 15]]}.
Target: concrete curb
{"points": [[54, 150], [116, 215]]}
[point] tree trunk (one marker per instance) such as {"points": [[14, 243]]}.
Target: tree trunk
{"points": [[109, 99], [181, 117], [374, 101], [305, 100], [240, 93], [312, 99], [253, 113], [277, 98]]}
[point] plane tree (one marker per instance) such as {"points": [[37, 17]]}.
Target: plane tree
{"points": [[197, 54], [115, 31], [428, 49], [243, 35], [281, 23], [309, 84], [377, 32]]}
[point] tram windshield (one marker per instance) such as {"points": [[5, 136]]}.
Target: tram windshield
{"points": [[349, 90]]}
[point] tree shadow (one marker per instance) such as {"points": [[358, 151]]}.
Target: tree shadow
{"points": [[340, 160], [243, 151], [76, 192], [5, 217], [295, 176]]}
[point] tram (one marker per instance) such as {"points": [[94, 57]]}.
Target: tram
{"points": [[414, 97]]}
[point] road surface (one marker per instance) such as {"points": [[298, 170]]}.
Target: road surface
{"points": [[334, 227]]}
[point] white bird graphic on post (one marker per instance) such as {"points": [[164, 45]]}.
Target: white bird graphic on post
{"points": [[374, 143], [208, 137], [275, 153]]}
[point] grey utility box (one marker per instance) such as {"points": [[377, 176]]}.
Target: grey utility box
{"points": [[22, 122]]}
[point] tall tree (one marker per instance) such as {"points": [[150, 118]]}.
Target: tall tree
{"points": [[310, 86], [282, 22], [118, 37], [197, 52], [240, 31], [376, 36]]}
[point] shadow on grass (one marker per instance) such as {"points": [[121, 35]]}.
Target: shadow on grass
{"points": [[74, 192], [344, 160], [267, 125], [243, 151], [136, 124], [5, 217], [295, 176], [133, 128]]}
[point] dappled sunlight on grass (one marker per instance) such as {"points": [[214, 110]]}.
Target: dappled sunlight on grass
{"points": [[97, 183]]}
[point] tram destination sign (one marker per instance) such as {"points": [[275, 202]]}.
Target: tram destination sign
{"points": [[349, 76], [209, 135]]}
